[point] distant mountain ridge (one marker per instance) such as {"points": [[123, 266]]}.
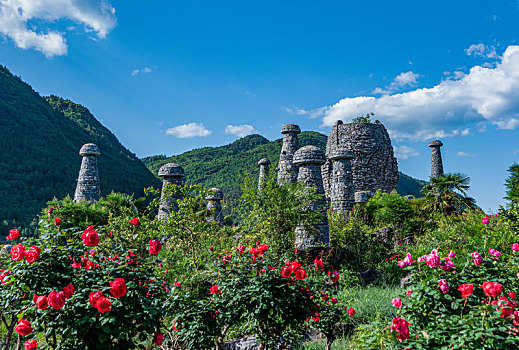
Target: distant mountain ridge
{"points": [[40, 140], [219, 166]]}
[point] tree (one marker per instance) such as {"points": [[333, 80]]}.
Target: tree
{"points": [[447, 193], [512, 184]]}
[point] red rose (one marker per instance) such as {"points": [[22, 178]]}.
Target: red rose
{"points": [[334, 276], [93, 297], [103, 305], [17, 252], [294, 266], [286, 271], [316, 317], [157, 340], [318, 264], [492, 289], [13, 234], [334, 300], [351, 312], [32, 254], [155, 247], [24, 327], [31, 345], [41, 302], [110, 234], [512, 294], [69, 291], [300, 274], [118, 287], [214, 289], [56, 299], [3, 275], [90, 237], [135, 221], [57, 222], [177, 284], [466, 289], [50, 210]]}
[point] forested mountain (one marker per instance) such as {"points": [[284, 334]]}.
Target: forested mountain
{"points": [[219, 166], [39, 159]]}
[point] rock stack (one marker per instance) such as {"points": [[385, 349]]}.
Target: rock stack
{"points": [[87, 188], [171, 174], [309, 159]]}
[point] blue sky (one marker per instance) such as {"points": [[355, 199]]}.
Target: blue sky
{"points": [[169, 76]]}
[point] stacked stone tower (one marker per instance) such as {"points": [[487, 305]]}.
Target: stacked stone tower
{"points": [[214, 205], [264, 164], [374, 166], [309, 159], [436, 158], [287, 172], [87, 188], [342, 193], [171, 174]]}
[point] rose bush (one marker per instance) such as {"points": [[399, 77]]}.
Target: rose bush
{"points": [[461, 303], [79, 289]]}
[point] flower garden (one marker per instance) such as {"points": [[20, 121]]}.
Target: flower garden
{"points": [[109, 276]]}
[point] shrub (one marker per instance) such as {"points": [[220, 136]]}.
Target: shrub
{"points": [[80, 289], [454, 302]]}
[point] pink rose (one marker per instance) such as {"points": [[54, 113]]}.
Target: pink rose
{"points": [[397, 302]]}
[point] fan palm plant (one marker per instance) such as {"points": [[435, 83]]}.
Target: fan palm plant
{"points": [[448, 194]]}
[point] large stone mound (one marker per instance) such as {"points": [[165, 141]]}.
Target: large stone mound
{"points": [[374, 165]]}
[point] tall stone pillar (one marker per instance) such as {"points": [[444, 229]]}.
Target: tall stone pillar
{"points": [[342, 192], [264, 164], [214, 205], [171, 174], [87, 188], [287, 171], [309, 160], [436, 158]]}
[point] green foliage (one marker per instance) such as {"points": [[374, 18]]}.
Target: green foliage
{"points": [[188, 235], [272, 214], [386, 209], [40, 140], [447, 194], [512, 184], [364, 119]]}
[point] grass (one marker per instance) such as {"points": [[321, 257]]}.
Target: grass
{"points": [[370, 302]]}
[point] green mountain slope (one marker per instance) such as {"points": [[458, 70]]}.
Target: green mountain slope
{"points": [[219, 166], [40, 140]]}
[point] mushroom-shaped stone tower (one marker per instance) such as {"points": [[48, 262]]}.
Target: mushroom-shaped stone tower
{"points": [[309, 160], [171, 174], [264, 164], [287, 172], [436, 158], [214, 205], [342, 192], [87, 188]]}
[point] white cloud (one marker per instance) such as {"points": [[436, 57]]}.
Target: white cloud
{"points": [[189, 130], [516, 152], [239, 130], [404, 152], [481, 50], [464, 154], [402, 80], [144, 70], [484, 94], [314, 113], [15, 15]]}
